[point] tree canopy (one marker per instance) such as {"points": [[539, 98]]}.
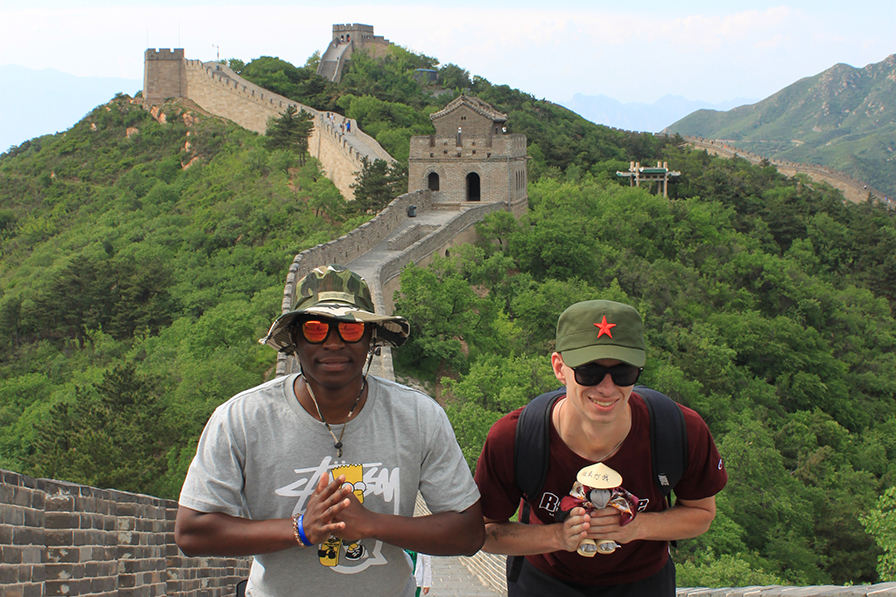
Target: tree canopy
{"points": [[378, 184], [290, 132]]}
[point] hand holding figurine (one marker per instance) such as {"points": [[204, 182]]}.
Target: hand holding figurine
{"points": [[597, 487]]}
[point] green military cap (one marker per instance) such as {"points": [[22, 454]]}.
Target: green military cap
{"points": [[593, 330]]}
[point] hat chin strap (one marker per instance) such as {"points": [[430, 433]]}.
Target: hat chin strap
{"points": [[372, 352]]}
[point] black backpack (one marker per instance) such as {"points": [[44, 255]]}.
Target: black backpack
{"points": [[668, 449]]}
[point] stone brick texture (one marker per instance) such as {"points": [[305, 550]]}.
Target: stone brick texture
{"points": [[217, 89], [58, 538], [471, 158]]}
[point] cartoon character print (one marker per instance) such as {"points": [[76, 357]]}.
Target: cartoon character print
{"points": [[354, 479], [371, 478], [328, 551]]}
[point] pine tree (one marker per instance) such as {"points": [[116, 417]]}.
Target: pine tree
{"points": [[290, 131], [378, 184]]}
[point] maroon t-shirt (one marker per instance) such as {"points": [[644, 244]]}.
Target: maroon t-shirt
{"points": [[704, 477]]}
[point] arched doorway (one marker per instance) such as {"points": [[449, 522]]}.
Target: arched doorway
{"points": [[433, 181], [473, 192]]}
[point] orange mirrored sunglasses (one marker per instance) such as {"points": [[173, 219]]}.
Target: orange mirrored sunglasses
{"points": [[316, 331]]}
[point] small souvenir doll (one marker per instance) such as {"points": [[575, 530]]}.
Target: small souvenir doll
{"points": [[598, 486]]}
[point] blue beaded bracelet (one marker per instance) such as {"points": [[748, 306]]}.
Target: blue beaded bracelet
{"points": [[299, 531]]}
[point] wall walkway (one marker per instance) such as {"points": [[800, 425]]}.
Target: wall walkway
{"points": [[852, 189], [333, 60], [217, 89]]}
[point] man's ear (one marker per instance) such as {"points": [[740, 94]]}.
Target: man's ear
{"points": [[557, 366]]}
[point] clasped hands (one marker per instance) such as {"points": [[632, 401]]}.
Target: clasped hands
{"points": [[333, 509], [599, 525]]}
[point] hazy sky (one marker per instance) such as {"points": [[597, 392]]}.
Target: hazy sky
{"points": [[702, 50]]}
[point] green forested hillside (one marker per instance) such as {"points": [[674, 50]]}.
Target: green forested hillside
{"points": [[132, 292], [139, 264], [844, 118], [759, 315]]}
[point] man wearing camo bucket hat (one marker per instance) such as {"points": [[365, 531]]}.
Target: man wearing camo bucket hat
{"points": [[316, 474], [336, 293]]}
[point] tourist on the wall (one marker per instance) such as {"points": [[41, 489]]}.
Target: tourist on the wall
{"points": [[615, 544], [316, 474]]}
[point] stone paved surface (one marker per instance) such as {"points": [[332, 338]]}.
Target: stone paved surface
{"points": [[369, 263], [451, 578]]}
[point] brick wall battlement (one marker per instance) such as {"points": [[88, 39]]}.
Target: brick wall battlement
{"points": [[216, 88], [854, 190], [58, 538]]}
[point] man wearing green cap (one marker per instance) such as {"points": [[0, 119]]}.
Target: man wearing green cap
{"points": [[600, 353], [316, 474]]}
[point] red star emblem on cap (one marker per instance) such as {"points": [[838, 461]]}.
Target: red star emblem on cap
{"points": [[604, 327]]}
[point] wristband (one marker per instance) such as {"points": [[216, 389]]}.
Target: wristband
{"points": [[299, 532]]}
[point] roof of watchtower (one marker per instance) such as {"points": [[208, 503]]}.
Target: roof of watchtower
{"points": [[475, 104]]}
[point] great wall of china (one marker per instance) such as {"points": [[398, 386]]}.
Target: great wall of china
{"points": [[58, 538], [852, 189], [218, 90]]}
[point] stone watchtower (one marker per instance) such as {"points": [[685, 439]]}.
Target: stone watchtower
{"points": [[164, 75], [471, 158], [348, 39]]}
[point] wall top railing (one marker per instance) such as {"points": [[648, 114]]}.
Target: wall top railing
{"points": [[753, 158]]}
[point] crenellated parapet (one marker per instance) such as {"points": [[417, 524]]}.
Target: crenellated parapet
{"points": [[852, 189], [59, 538], [335, 141]]}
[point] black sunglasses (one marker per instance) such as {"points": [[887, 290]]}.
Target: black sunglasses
{"points": [[591, 374]]}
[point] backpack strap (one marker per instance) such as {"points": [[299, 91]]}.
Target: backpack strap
{"points": [[531, 456], [668, 440], [532, 443]]}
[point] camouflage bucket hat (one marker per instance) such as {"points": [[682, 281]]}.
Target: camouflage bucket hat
{"points": [[593, 330], [335, 292]]}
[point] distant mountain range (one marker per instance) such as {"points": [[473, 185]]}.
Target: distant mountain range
{"points": [[42, 102], [844, 118], [634, 116]]}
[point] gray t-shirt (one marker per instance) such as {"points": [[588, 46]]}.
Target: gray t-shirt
{"points": [[261, 456]]}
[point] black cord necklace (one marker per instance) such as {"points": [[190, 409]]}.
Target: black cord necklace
{"points": [[337, 443]]}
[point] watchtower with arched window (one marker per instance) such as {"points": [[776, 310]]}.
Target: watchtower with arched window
{"points": [[471, 158]]}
